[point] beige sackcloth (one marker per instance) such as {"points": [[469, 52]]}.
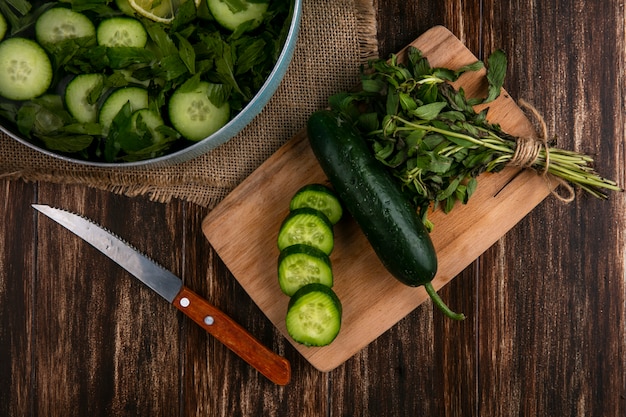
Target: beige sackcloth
{"points": [[336, 37]]}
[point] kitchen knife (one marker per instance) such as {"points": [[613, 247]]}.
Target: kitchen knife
{"points": [[169, 286]]}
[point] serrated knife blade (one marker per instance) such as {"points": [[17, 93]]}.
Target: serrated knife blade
{"points": [[276, 368]]}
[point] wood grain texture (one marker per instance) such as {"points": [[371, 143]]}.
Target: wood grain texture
{"points": [[546, 303], [17, 250], [243, 227], [567, 299], [93, 321]]}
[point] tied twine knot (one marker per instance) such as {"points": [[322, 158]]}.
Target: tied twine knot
{"points": [[528, 150]]}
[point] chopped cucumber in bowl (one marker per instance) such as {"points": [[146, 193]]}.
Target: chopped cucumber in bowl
{"points": [[86, 54], [25, 69]]}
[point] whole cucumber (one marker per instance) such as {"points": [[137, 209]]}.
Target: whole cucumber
{"points": [[376, 202]]}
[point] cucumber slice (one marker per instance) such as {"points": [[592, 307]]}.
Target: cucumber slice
{"points": [[306, 226], [194, 115], [137, 96], [299, 265], [148, 120], [314, 315], [125, 7], [319, 197], [122, 31], [3, 26], [81, 97], [25, 69], [60, 24], [230, 14]]}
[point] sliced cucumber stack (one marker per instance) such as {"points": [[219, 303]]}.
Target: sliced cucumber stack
{"points": [[305, 240]]}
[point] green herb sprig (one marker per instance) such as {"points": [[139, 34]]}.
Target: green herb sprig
{"points": [[434, 141], [14, 10]]}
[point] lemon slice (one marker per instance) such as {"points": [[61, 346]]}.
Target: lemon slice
{"points": [[162, 11]]}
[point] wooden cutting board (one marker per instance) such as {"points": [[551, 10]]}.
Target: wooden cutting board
{"points": [[243, 228]]}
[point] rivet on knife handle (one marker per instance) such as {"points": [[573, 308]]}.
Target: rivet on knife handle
{"points": [[236, 338]]}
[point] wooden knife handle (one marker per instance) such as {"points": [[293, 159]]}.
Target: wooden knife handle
{"points": [[276, 368]]}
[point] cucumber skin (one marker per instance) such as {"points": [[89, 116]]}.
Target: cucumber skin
{"points": [[373, 198]]}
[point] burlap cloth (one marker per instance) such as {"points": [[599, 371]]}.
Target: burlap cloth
{"points": [[336, 36]]}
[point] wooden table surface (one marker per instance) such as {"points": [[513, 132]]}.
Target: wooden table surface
{"points": [[545, 333]]}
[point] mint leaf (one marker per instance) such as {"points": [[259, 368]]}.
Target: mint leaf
{"points": [[22, 6], [123, 57], [496, 71], [429, 111], [251, 54], [68, 143], [186, 53]]}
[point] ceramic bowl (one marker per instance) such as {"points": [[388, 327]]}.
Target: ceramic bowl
{"points": [[224, 134]]}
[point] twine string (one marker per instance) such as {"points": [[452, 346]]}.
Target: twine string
{"points": [[528, 150]]}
